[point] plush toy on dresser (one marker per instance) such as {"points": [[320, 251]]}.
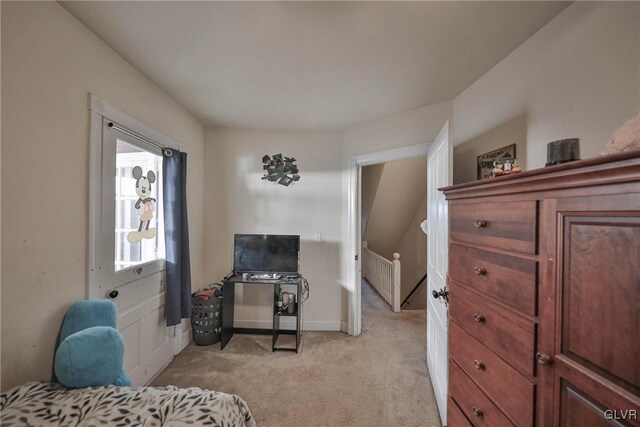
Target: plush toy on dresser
{"points": [[625, 138]]}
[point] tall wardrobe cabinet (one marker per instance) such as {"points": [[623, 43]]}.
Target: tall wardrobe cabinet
{"points": [[544, 314]]}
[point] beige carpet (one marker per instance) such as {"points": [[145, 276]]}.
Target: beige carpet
{"points": [[377, 379]]}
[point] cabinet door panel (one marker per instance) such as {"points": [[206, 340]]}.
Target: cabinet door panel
{"points": [[580, 410], [597, 352], [601, 295]]}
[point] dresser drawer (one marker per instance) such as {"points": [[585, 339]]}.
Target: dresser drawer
{"points": [[507, 225], [455, 417], [510, 336], [509, 279], [507, 388], [473, 402]]}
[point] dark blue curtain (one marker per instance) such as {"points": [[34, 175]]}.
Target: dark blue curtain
{"points": [[176, 236]]}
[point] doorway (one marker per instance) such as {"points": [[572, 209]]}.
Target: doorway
{"points": [[440, 154], [393, 205], [354, 219]]}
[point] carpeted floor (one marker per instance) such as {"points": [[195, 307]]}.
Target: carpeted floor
{"points": [[377, 379]]}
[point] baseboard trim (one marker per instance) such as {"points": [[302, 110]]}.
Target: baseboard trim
{"points": [[290, 323]]}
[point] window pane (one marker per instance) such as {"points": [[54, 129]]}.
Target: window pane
{"points": [[139, 231]]}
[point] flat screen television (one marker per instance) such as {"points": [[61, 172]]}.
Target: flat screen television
{"points": [[266, 253]]}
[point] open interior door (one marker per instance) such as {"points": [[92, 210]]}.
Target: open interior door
{"points": [[439, 174]]}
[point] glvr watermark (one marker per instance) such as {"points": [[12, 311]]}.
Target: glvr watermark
{"points": [[621, 414]]}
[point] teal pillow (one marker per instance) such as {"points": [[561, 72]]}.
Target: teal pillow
{"points": [[90, 358]]}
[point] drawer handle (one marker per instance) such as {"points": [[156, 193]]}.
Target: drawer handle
{"points": [[478, 317], [113, 294], [479, 223], [479, 365], [477, 412], [480, 271], [543, 359]]}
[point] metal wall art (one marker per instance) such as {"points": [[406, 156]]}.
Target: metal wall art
{"points": [[280, 169]]}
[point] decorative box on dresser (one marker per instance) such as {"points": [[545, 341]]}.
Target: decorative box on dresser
{"points": [[544, 303]]}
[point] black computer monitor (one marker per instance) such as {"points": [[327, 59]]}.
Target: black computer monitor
{"points": [[266, 253]]}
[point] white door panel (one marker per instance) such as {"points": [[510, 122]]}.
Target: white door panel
{"points": [[438, 175], [135, 293], [131, 336], [438, 357], [131, 329], [160, 339], [148, 342]]}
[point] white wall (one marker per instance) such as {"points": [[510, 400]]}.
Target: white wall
{"points": [[579, 76], [369, 187], [50, 62], [413, 259], [465, 156], [401, 188], [397, 130], [238, 201]]}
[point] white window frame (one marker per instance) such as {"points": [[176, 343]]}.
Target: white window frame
{"points": [[100, 277], [110, 278]]}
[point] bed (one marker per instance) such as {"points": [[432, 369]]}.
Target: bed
{"points": [[49, 404]]}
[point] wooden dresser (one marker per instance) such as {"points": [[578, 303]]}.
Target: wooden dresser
{"points": [[544, 286]]}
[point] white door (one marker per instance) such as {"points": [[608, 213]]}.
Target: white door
{"points": [[148, 342], [439, 174], [132, 249]]}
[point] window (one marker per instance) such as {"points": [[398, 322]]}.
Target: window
{"points": [[131, 205], [137, 240], [126, 225]]}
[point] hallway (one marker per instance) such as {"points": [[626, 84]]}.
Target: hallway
{"points": [[396, 344]]}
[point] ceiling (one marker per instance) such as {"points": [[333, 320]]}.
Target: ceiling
{"points": [[311, 65]]}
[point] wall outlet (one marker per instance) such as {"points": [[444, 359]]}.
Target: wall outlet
{"points": [[317, 237]]}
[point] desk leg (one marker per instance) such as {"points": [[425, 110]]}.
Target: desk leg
{"points": [[228, 302], [299, 317]]}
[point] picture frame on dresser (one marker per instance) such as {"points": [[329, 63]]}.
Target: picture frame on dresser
{"points": [[485, 161]]}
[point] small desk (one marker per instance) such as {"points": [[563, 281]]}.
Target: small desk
{"points": [[228, 305]]}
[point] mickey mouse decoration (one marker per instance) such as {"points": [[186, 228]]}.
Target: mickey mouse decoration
{"points": [[144, 205]]}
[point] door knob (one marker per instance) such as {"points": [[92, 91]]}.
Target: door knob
{"points": [[477, 411], [113, 294], [442, 293]]}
